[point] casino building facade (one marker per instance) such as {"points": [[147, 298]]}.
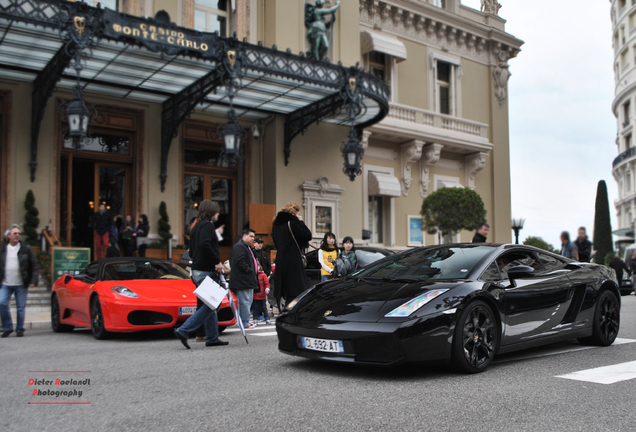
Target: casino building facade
{"points": [[165, 81]]}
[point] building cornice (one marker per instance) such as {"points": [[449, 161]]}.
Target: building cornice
{"points": [[436, 27], [619, 97]]}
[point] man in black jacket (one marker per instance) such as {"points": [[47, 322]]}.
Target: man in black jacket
{"points": [[18, 271], [261, 256], [583, 245], [244, 275], [618, 265], [482, 233]]}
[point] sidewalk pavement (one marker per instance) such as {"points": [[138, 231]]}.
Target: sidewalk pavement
{"points": [[34, 319]]}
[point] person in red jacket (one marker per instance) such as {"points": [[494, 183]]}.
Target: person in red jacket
{"points": [[260, 298]]}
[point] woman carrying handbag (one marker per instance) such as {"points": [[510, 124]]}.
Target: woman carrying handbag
{"points": [[291, 236]]}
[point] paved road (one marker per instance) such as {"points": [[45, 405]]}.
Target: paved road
{"points": [[149, 382]]}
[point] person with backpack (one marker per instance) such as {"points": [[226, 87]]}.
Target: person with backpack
{"points": [[346, 263]]}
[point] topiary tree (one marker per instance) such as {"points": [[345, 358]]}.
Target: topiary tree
{"points": [[451, 210], [164, 226], [603, 243], [31, 219], [538, 242]]}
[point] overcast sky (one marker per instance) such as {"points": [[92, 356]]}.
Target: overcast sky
{"points": [[562, 130]]}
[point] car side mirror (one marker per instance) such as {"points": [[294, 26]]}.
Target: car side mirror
{"points": [[520, 272]]}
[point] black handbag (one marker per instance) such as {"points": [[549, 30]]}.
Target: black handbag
{"points": [[304, 258]]}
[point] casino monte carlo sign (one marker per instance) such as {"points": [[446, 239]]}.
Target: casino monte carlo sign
{"points": [[162, 36]]}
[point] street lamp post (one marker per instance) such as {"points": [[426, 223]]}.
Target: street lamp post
{"points": [[517, 225]]}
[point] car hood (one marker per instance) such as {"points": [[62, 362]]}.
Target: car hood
{"points": [[159, 290], [363, 300]]}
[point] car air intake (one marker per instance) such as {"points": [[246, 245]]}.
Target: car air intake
{"points": [[144, 318], [377, 349]]}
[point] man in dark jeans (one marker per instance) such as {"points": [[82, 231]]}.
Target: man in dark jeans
{"points": [[583, 245], [244, 275]]}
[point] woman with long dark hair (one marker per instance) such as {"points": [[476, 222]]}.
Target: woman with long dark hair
{"points": [[204, 251], [291, 236]]}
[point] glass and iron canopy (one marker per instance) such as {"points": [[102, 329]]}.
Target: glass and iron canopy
{"points": [[153, 60]]}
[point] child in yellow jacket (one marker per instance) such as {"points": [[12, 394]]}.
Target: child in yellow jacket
{"points": [[327, 256]]}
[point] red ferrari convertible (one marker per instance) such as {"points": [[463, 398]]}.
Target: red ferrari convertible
{"points": [[127, 295]]}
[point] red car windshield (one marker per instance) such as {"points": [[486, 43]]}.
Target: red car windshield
{"points": [[135, 270]]}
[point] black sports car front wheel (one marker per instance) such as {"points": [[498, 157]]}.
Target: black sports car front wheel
{"points": [[607, 321], [97, 320], [475, 338]]}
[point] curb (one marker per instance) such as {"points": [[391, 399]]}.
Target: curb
{"points": [[32, 325]]}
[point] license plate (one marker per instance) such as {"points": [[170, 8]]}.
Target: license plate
{"points": [[187, 310], [324, 345]]}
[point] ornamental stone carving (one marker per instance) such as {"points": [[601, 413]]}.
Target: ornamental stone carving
{"points": [[430, 155], [410, 24], [501, 74], [365, 139], [474, 163], [411, 153], [490, 6]]}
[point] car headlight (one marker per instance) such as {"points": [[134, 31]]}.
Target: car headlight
{"points": [[295, 301], [412, 305], [126, 292]]}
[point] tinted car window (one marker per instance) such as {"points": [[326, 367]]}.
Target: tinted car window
{"points": [[514, 259], [91, 270], [551, 263], [134, 270], [368, 257], [491, 273], [428, 263]]}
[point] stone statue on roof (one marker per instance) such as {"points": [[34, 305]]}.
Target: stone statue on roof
{"points": [[490, 6], [319, 30]]}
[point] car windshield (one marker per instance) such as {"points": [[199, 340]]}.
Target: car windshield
{"points": [[133, 270], [366, 257], [427, 263]]}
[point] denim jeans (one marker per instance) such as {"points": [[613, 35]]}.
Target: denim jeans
{"points": [[245, 298], [325, 278], [20, 301], [260, 309], [205, 315]]}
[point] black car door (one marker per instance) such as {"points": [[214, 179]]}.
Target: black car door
{"points": [[534, 306]]}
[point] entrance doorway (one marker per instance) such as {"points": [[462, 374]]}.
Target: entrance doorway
{"points": [[90, 178]]}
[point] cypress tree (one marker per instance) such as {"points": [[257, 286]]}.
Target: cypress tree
{"points": [[603, 243], [164, 226], [31, 219]]}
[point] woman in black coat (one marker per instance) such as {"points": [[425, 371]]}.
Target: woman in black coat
{"points": [[290, 278]]}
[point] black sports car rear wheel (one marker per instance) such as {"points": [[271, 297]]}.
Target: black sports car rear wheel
{"points": [[607, 321], [475, 338], [57, 326], [97, 320]]}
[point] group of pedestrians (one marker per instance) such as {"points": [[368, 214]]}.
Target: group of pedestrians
{"points": [[580, 249], [115, 237]]}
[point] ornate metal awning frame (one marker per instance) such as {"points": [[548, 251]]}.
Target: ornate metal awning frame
{"points": [[287, 74]]}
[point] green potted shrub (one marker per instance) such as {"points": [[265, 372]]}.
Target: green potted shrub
{"points": [[31, 222]]}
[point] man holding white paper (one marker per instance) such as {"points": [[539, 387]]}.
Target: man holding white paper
{"points": [[206, 261]]}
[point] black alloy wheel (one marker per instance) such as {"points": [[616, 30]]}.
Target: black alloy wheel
{"points": [[56, 324], [475, 338], [97, 320], [607, 321]]}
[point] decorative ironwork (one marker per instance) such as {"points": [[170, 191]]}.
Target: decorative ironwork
{"points": [[167, 38], [351, 93], [42, 90], [233, 135], [177, 108], [298, 121]]}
